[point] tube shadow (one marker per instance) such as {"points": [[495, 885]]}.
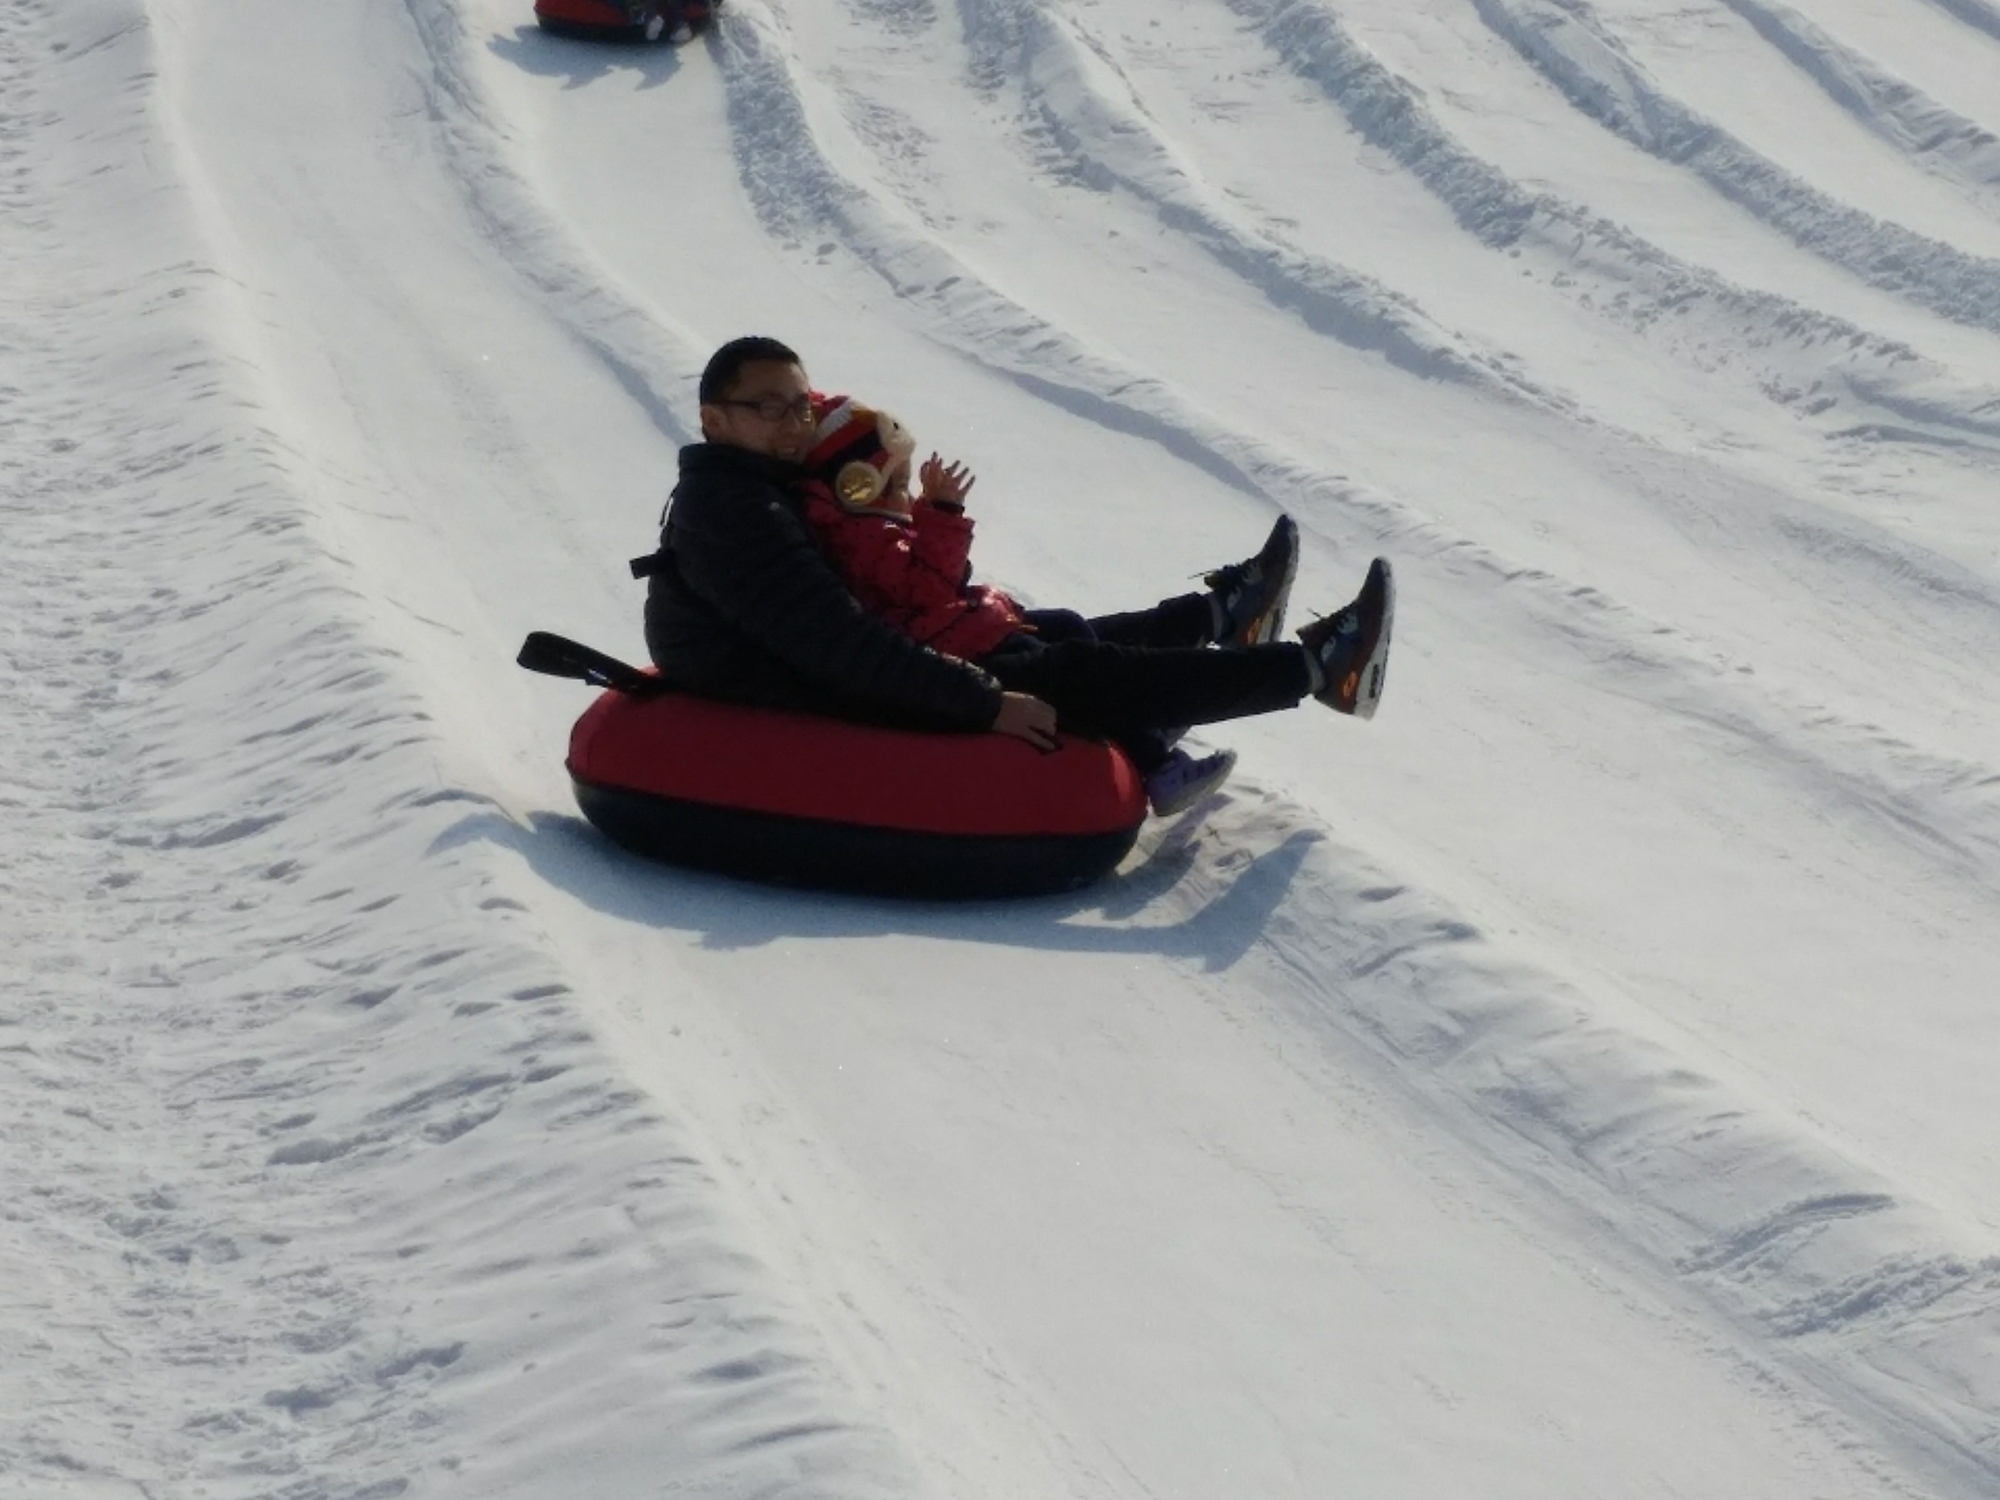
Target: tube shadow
{"points": [[1108, 917], [583, 62]]}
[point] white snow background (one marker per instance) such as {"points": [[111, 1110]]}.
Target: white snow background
{"points": [[1577, 1082]]}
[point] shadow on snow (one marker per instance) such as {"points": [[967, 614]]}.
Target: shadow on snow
{"points": [[1164, 880], [580, 63]]}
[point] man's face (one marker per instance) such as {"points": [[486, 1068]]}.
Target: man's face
{"points": [[767, 412]]}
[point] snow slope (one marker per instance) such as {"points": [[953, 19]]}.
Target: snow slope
{"points": [[1575, 1081]]}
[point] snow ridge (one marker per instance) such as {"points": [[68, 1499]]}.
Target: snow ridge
{"points": [[306, 1154], [1103, 138], [1850, 1286], [156, 1084], [1568, 45], [645, 349], [1980, 15], [1617, 274], [1961, 150]]}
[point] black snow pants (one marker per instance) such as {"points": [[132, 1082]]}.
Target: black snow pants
{"points": [[1140, 678]]}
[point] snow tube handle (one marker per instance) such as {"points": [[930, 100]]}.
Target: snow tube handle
{"points": [[559, 657]]}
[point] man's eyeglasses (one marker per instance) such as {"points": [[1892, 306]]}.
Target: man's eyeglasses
{"points": [[774, 408]]}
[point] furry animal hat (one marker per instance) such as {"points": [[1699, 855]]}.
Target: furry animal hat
{"points": [[855, 450]]}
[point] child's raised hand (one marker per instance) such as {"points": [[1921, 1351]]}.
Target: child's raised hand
{"points": [[949, 483]]}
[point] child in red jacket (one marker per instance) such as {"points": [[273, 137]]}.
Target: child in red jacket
{"points": [[908, 559]]}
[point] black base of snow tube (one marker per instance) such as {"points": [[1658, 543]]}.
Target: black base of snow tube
{"points": [[812, 854]]}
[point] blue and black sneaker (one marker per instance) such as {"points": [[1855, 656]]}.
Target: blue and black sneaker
{"points": [[1185, 779], [1350, 648], [1248, 598]]}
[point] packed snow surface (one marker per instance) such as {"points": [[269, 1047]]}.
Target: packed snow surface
{"points": [[1577, 1081]]}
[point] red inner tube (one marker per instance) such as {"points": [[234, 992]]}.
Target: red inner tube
{"points": [[799, 798], [587, 13]]}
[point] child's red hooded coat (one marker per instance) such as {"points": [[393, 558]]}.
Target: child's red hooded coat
{"points": [[913, 571]]}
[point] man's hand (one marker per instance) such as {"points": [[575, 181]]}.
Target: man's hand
{"points": [[937, 481], [1026, 718]]}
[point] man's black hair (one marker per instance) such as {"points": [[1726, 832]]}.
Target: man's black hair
{"points": [[727, 363]]}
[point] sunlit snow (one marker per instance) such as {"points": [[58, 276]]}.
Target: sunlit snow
{"points": [[1577, 1081]]}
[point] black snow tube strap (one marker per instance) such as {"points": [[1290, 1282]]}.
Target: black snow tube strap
{"points": [[651, 563], [559, 657]]}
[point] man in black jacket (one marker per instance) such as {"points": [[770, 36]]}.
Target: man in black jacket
{"points": [[743, 605]]}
